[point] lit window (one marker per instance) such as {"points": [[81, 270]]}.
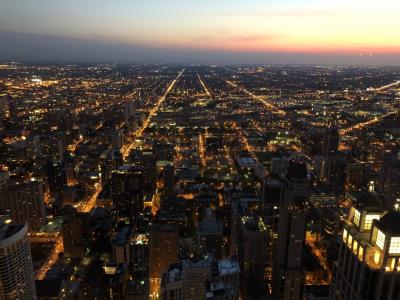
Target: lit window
{"points": [[377, 257], [350, 241], [368, 221], [360, 253], [380, 239], [344, 235], [394, 245], [355, 245], [356, 218], [390, 264]]}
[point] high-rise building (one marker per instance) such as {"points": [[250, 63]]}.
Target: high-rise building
{"points": [[24, 203], [16, 269], [132, 249], [204, 278], [73, 232], [330, 143], [4, 108], [115, 138], [163, 251], [251, 255], [127, 192], [288, 275], [389, 179], [271, 197], [130, 119], [149, 167], [210, 234], [369, 258]]}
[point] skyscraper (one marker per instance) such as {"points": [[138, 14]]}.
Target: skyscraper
{"points": [[24, 202], [251, 255], [73, 232], [271, 197], [126, 187], [369, 258], [130, 119], [163, 250], [288, 275], [16, 269], [389, 179], [330, 141]]}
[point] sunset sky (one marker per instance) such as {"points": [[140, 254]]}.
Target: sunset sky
{"points": [[367, 29]]}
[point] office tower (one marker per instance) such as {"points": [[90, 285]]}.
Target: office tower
{"points": [[210, 234], [369, 258], [270, 202], [130, 119], [321, 168], [168, 178], [24, 202], [251, 255], [16, 269], [163, 250], [137, 290], [204, 278], [146, 159], [115, 282], [132, 249], [358, 174], [149, 167], [139, 257], [4, 175], [164, 151], [127, 193], [115, 139], [117, 159], [288, 275], [4, 109], [195, 276], [239, 209], [73, 232], [330, 142], [57, 181], [279, 165], [389, 179]]}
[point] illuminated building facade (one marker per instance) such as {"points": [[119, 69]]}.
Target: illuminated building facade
{"points": [[369, 258], [16, 269]]}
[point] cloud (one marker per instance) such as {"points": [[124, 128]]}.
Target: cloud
{"points": [[296, 12], [239, 38], [255, 37]]}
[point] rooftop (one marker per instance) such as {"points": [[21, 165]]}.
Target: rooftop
{"points": [[390, 223]]}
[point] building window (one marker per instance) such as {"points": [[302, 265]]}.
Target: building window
{"points": [[394, 245], [355, 245], [361, 253], [377, 257], [350, 241], [368, 221], [380, 239], [344, 234], [356, 218]]}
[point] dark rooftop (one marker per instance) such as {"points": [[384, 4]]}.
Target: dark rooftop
{"points": [[390, 223], [297, 169]]}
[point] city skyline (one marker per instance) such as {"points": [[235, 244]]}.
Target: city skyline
{"points": [[221, 32]]}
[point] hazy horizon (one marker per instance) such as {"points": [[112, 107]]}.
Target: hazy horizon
{"points": [[204, 32]]}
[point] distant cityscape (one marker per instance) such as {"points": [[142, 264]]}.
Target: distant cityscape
{"points": [[194, 182]]}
